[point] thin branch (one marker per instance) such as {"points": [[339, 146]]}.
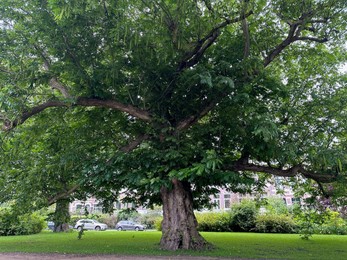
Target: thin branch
{"points": [[54, 82], [189, 121], [203, 44], [295, 29], [279, 48], [323, 40], [321, 188], [208, 5], [134, 143]]}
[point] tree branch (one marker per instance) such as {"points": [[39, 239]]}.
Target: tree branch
{"points": [[131, 110], [63, 195], [295, 29], [8, 125], [203, 44], [323, 40], [54, 82], [291, 172], [189, 121], [245, 30], [133, 144]]}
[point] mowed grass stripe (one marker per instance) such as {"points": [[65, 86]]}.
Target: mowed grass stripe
{"points": [[242, 245]]}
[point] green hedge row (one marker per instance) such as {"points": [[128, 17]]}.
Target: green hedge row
{"points": [[245, 217]]}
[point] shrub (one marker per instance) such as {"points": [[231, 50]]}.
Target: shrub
{"points": [[128, 214], [315, 222], [272, 223], [213, 221], [149, 219], [332, 224], [157, 223], [109, 220], [27, 224], [276, 206], [243, 216]]}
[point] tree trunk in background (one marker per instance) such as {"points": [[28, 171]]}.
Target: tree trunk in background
{"points": [[61, 216], [179, 227]]}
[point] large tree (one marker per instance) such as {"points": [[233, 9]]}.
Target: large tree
{"points": [[194, 94]]}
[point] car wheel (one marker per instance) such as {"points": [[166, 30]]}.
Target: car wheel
{"points": [[119, 228], [137, 229], [97, 228], [79, 228]]}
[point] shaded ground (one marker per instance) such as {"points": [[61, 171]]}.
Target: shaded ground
{"points": [[27, 256]]}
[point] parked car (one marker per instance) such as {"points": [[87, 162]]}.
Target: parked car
{"points": [[51, 225], [90, 224], [129, 225]]}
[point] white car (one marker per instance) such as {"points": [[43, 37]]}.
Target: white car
{"points": [[90, 224]]}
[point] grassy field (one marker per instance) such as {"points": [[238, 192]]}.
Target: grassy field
{"points": [[242, 245]]}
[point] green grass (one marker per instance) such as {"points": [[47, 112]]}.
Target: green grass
{"points": [[243, 245]]}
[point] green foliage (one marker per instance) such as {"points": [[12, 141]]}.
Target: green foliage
{"points": [[150, 218], [128, 214], [12, 224], [213, 221], [332, 223], [243, 216], [109, 96], [270, 223], [276, 206], [109, 220], [158, 223]]}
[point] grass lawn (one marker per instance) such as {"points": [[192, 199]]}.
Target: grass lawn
{"points": [[243, 245]]}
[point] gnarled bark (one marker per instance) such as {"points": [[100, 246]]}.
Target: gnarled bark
{"points": [[61, 216], [179, 227]]}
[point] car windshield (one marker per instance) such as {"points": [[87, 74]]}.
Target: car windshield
{"points": [[97, 221]]}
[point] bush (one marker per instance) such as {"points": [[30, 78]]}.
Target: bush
{"points": [[213, 221], [276, 206], [243, 216], [271, 223], [332, 224], [27, 224], [149, 219], [109, 220], [157, 223]]}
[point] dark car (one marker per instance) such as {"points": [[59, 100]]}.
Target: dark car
{"points": [[50, 225], [129, 225]]}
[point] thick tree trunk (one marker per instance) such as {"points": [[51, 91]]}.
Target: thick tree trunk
{"points": [[61, 216], [179, 227]]}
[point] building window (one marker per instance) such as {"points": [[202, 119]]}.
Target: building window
{"points": [[118, 205], [79, 209], [98, 208], [295, 200], [216, 203], [227, 201]]}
